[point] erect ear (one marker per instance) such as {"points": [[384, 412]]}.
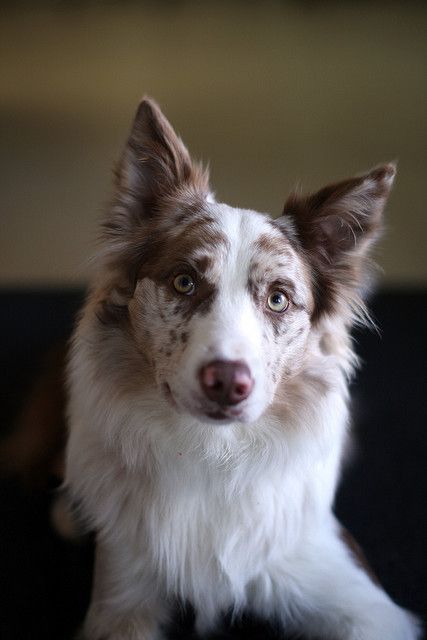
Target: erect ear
{"points": [[154, 166], [336, 226]]}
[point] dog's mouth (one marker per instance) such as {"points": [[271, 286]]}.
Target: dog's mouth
{"points": [[220, 415], [217, 415], [224, 414]]}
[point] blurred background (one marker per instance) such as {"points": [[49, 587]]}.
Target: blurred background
{"points": [[272, 94]]}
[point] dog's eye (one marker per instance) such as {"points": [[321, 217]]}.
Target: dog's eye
{"points": [[184, 283], [277, 301]]}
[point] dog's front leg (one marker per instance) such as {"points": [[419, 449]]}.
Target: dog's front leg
{"points": [[126, 601], [327, 593]]}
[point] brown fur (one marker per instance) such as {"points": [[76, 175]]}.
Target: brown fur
{"points": [[357, 552], [334, 226]]}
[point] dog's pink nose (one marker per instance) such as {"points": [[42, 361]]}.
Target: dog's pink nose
{"points": [[226, 382]]}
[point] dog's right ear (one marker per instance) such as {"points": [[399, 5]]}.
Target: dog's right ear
{"points": [[155, 166], [336, 227]]}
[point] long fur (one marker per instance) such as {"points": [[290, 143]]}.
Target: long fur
{"points": [[224, 506]]}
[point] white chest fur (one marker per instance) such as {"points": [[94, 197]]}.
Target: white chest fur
{"points": [[202, 505]]}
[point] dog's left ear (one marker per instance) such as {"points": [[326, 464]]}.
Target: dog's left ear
{"points": [[155, 166], [336, 226]]}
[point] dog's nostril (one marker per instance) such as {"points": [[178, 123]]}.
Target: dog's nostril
{"points": [[226, 382], [240, 389]]}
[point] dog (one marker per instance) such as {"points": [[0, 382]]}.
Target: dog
{"points": [[208, 402]]}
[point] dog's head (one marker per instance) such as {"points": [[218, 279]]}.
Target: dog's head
{"points": [[221, 302]]}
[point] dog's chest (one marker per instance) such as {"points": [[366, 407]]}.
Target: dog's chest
{"points": [[192, 522]]}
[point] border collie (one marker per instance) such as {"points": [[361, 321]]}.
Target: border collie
{"points": [[208, 408]]}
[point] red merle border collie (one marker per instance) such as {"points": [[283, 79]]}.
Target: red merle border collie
{"points": [[208, 411]]}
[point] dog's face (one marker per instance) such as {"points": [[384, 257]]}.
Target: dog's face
{"points": [[222, 312], [221, 301]]}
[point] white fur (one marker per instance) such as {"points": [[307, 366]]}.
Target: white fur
{"points": [[226, 516]]}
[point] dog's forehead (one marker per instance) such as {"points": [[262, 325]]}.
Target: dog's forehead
{"points": [[256, 247], [235, 233]]}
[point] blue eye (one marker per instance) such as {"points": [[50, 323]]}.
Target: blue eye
{"points": [[184, 283], [277, 301]]}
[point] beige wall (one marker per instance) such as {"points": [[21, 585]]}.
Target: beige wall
{"points": [[272, 94]]}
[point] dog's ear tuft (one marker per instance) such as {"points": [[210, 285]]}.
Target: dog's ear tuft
{"points": [[155, 164], [336, 226]]}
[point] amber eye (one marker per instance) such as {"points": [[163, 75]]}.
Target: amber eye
{"points": [[277, 301], [184, 283]]}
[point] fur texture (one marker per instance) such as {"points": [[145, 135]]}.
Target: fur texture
{"points": [[208, 411]]}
